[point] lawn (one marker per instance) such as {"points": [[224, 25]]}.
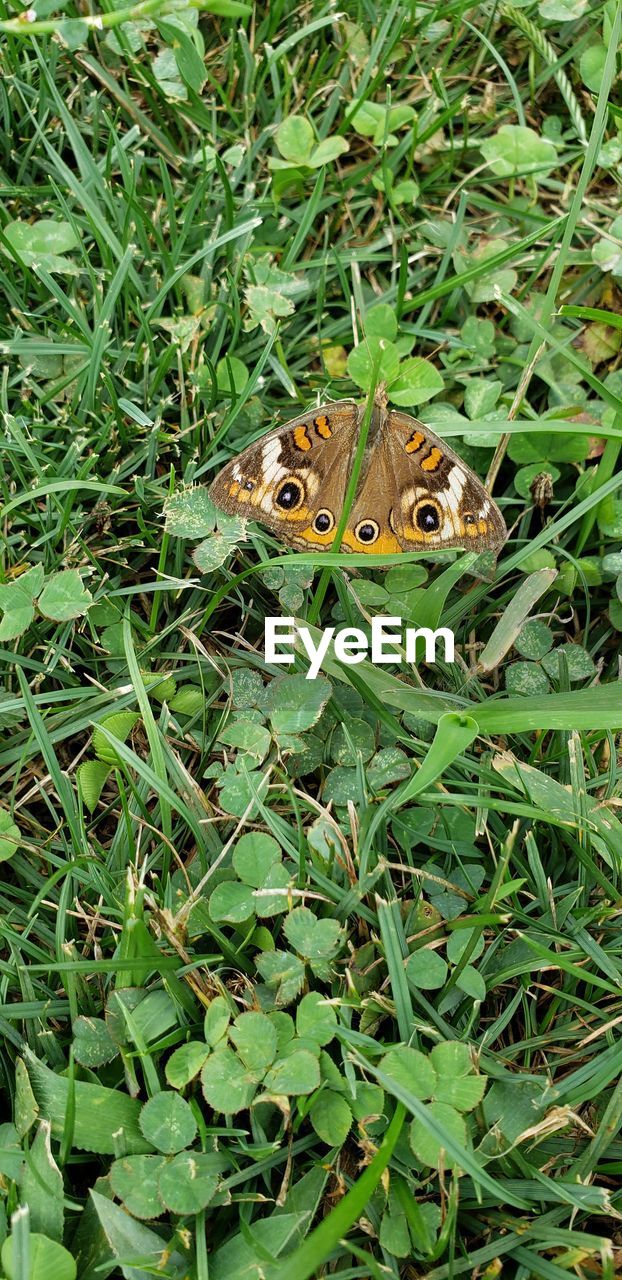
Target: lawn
{"points": [[308, 977]]}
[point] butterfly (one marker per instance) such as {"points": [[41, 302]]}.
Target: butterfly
{"points": [[413, 492]]}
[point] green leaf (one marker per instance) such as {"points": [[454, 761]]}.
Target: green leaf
{"points": [[368, 1102], [578, 660], [534, 639], [65, 597], [188, 701], [394, 1235], [416, 382], [472, 983], [606, 253], [11, 1157], [517, 149], [327, 150], [426, 969], [458, 942], [231, 372], [463, 1093], [135, 1181], [411, 1069], [389, 765], [185, 1063], [128, 1239], [93, 1046], [316, 1019], [49, 1260], [17, 603], [451, 1059], [189, 61], [168, 1123], [381, 322], [331, 1117], [254, 1037], [120, 725], [266, 306], [215, 550], [610, 517], [377, 121], [41, 244], [526, 678], [562, 10], [295, 139], [592, 65], [254, 856], [92, 776], [351, 741], [373, 353], [152, 1014], [294, 704], [426, 1147], [240, 793], [216, 1021], [243, 1256], [231, 903], [481, 396], [406, 192], [190, 513], [283, 972], [299, 1073], [10, 836], [485, 286], [273, 897], [74, 33], [189, 1181], [227, 1086], [229, 8], [313, 938], [247, 736], [26, 1108], [41, 1187], [104, 1119]]}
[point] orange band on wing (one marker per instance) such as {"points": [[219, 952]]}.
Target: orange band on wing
{"points": [[385, 544], [314, 539], [301, 439], [322, 426], [432, 460], [416, 440]]}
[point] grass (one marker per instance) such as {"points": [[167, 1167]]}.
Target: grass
{"points": [[305, 978]]}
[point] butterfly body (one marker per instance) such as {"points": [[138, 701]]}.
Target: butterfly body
{"points": [[413, 492]]}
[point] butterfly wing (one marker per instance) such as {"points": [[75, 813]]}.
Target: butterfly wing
{"points": [[438, 501], [293, 480], [417, 494]]}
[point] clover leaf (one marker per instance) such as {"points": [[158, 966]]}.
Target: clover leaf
{"points": [[257, 862], [377, 120], [17, 603], [607, 252], [42, 244], [283, 972], [445, 1082], [10, 836], [516, 149], [316, 940], [296, 142], [411, 381], [167, 1122]]}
